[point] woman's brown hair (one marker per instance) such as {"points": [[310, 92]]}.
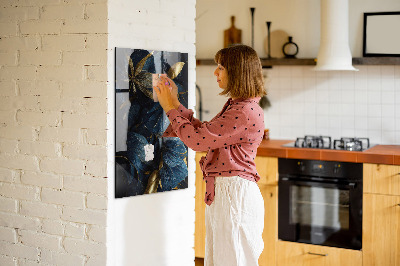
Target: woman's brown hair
{"points": [[245, 78]]}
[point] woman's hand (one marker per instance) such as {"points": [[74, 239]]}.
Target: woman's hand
{"points": [[174, 90], [166, 93]]}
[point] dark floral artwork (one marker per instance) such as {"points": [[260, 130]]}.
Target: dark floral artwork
{"points": [[146, 162]]}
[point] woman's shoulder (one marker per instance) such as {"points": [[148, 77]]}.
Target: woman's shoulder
{"points": [[247, 105]]}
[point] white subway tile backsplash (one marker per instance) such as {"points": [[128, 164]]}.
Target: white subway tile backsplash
{"points": [[297, 96], [335, 122], [397, 110], [361, 110], [388, 84], [309, 96], [374, 123], [348, 96], [388, 97], [374, 111], [347, 110], [322, 83], [360, 80], [361, 123], [360, 97], [297, 72], [374, 97], [322, 95], [308, 72], [360, 133], [389, 136], [387, 72], [397, 72], [374, 70], [310, 109], [322, 109], [286, 120], [338, 104], [334, 80], [297, 83], [284, 72], [374, 84], [285, 132], [347, 77], [388, 124], [348, 133], [322, 121], [347, 122], [375, 136], [335, 95], [284, 83], [388, 110]]}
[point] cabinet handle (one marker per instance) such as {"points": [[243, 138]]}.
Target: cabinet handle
{"points": [[398, 204], [318, 254]]}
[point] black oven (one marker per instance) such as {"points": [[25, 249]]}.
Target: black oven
{"points": [[320, 202]]}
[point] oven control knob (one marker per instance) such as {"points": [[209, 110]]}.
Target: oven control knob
{"points": [[336, 169], [302, 167]]}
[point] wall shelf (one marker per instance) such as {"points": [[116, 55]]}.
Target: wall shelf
{"points": [[312, 61]]}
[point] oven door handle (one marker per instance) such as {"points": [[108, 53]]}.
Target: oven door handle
{"points": [[329, 184]]}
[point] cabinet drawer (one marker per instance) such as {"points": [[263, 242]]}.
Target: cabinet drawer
{"points": [[381, 179], [294, 254]]}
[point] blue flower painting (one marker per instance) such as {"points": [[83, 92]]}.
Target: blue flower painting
{"points": [[145, 162]]}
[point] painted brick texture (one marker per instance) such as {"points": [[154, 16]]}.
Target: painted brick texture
{"points": [[53, 109]]}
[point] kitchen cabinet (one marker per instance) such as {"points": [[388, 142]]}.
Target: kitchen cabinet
{"points": [[381, 230], [381, 221], [298, 254], [267, 168], [200, 207], [381, 215], [270, 233], [381, 179]]}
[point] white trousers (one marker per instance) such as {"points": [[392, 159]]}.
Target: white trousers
{"points": [[234, 223]]}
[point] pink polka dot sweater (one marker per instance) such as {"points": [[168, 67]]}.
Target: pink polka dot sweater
{"points": [[231, 139]]}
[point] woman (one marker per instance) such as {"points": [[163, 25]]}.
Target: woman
{"points": [[235, 207]]}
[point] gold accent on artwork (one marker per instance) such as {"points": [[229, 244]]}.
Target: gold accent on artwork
{"points": [[154, 180], [174, 71]]}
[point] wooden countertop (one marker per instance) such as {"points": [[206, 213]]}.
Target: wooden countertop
{"points": [[379, 154]]}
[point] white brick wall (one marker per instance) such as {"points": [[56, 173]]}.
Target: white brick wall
{"points": [[53, 107]]}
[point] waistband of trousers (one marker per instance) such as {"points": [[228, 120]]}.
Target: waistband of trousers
{"points": [[228, 179]]}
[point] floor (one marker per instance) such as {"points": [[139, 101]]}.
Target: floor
{"points": [[198, 261]]}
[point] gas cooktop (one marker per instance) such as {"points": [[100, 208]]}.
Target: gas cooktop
{"points": [[325, 142]]}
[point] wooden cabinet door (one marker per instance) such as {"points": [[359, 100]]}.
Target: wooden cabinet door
{"points": [[270, 233], [381, 179], [381, 230], [297, 254], [267, 168], [200, 207]]}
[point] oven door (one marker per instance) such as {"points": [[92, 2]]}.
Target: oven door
{"points": [[321, 212]]}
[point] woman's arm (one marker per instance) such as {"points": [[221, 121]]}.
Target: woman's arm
{"points": [[225, 130], [187, 113]]}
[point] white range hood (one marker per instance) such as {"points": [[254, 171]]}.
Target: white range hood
{"points": [[334, 51]]}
